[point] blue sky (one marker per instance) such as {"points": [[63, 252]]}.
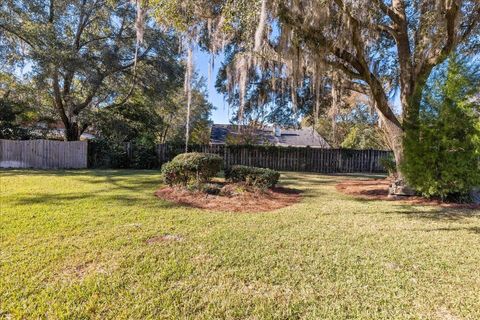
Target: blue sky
{"points": [[202, 62]]}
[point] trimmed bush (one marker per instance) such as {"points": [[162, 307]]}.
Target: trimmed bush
{"points": [[253, 176], [191, 168]]}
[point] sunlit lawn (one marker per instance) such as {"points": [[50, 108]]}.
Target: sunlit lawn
{"points": [[74, 245]]}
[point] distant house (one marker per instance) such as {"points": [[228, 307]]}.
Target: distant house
{"points": [[55, 130], [305, 137]]}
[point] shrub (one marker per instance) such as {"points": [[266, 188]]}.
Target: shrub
{"points": [[252, 176], [441, 158], [139, 154], [191, 168], [144, 155], [389, 164]]}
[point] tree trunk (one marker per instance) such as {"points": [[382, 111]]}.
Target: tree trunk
{"points": [[398, 136], [395, 136], [72, 131]]}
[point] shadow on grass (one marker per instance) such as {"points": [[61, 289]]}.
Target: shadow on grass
{"points": [[74, 172], [475, 230], [305, 182], [55, 199], [119, 187], [122, 182], [301, 178], [438, 213], [372, 176]]}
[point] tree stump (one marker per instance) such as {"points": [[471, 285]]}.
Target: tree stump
{"points": [[399, 188]]}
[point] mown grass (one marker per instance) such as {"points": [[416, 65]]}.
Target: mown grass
{"points": [[73, 244]]}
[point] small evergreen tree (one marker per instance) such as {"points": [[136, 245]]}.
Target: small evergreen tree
{"points": [[442, 159]]}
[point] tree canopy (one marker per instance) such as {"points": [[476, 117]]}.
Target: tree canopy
{"points": [[377, 48], [84, 55]]}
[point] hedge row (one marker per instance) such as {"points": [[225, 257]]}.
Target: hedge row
{"points": [[197, 168]]}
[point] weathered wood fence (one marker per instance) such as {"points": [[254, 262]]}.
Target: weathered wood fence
{"points": [[48, 154], [43, 154], [288, 158]]}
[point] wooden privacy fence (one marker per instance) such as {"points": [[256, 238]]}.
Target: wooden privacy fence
{"points": [[48, 154], [288, 158], [43, 154]]}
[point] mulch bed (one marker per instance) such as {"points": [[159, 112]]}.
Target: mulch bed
{"points": [[377, 189], [269, 200]]}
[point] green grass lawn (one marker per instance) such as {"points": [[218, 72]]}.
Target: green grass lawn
{"points": [[74, 245]]}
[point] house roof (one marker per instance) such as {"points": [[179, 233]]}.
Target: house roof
{"points": [[289, 137]]}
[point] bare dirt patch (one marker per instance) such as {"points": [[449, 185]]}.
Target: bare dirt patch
{"points": [[164, 238], [269, 200], [83, 269], [377, 189]]}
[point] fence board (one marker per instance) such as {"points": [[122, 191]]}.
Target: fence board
{"points": [[43, 154]]}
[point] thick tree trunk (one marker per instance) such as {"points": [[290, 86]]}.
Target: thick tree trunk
{"points": [[395, 136], [72, 131], [398, 135]]}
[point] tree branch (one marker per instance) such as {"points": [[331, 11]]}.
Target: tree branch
{"points": [[18, 35], [388, 11], [452, 39], [358, 87], [57, 97]]}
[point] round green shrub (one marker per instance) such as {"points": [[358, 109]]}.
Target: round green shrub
{"points": [[191, 168], [256, 177]]}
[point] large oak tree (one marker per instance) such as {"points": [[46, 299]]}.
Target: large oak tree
{"points": [[83, 54], [375, 47]]}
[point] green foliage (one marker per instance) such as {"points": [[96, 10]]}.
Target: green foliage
{"points": [[389, 164], [355, 127], [191, 168], [82, 56], [136, 120], [249, 135], [139, 154], [364, 137], [442, 158], [11, 116], [105, 154], [175, 117], [256, 177], [145, 122]]}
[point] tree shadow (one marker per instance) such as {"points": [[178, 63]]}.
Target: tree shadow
{"points": [[475, 230], [305, 181], [437, 213], [55, 199], [118, 187], [373, 176], [4, 172], [122, 182]]}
